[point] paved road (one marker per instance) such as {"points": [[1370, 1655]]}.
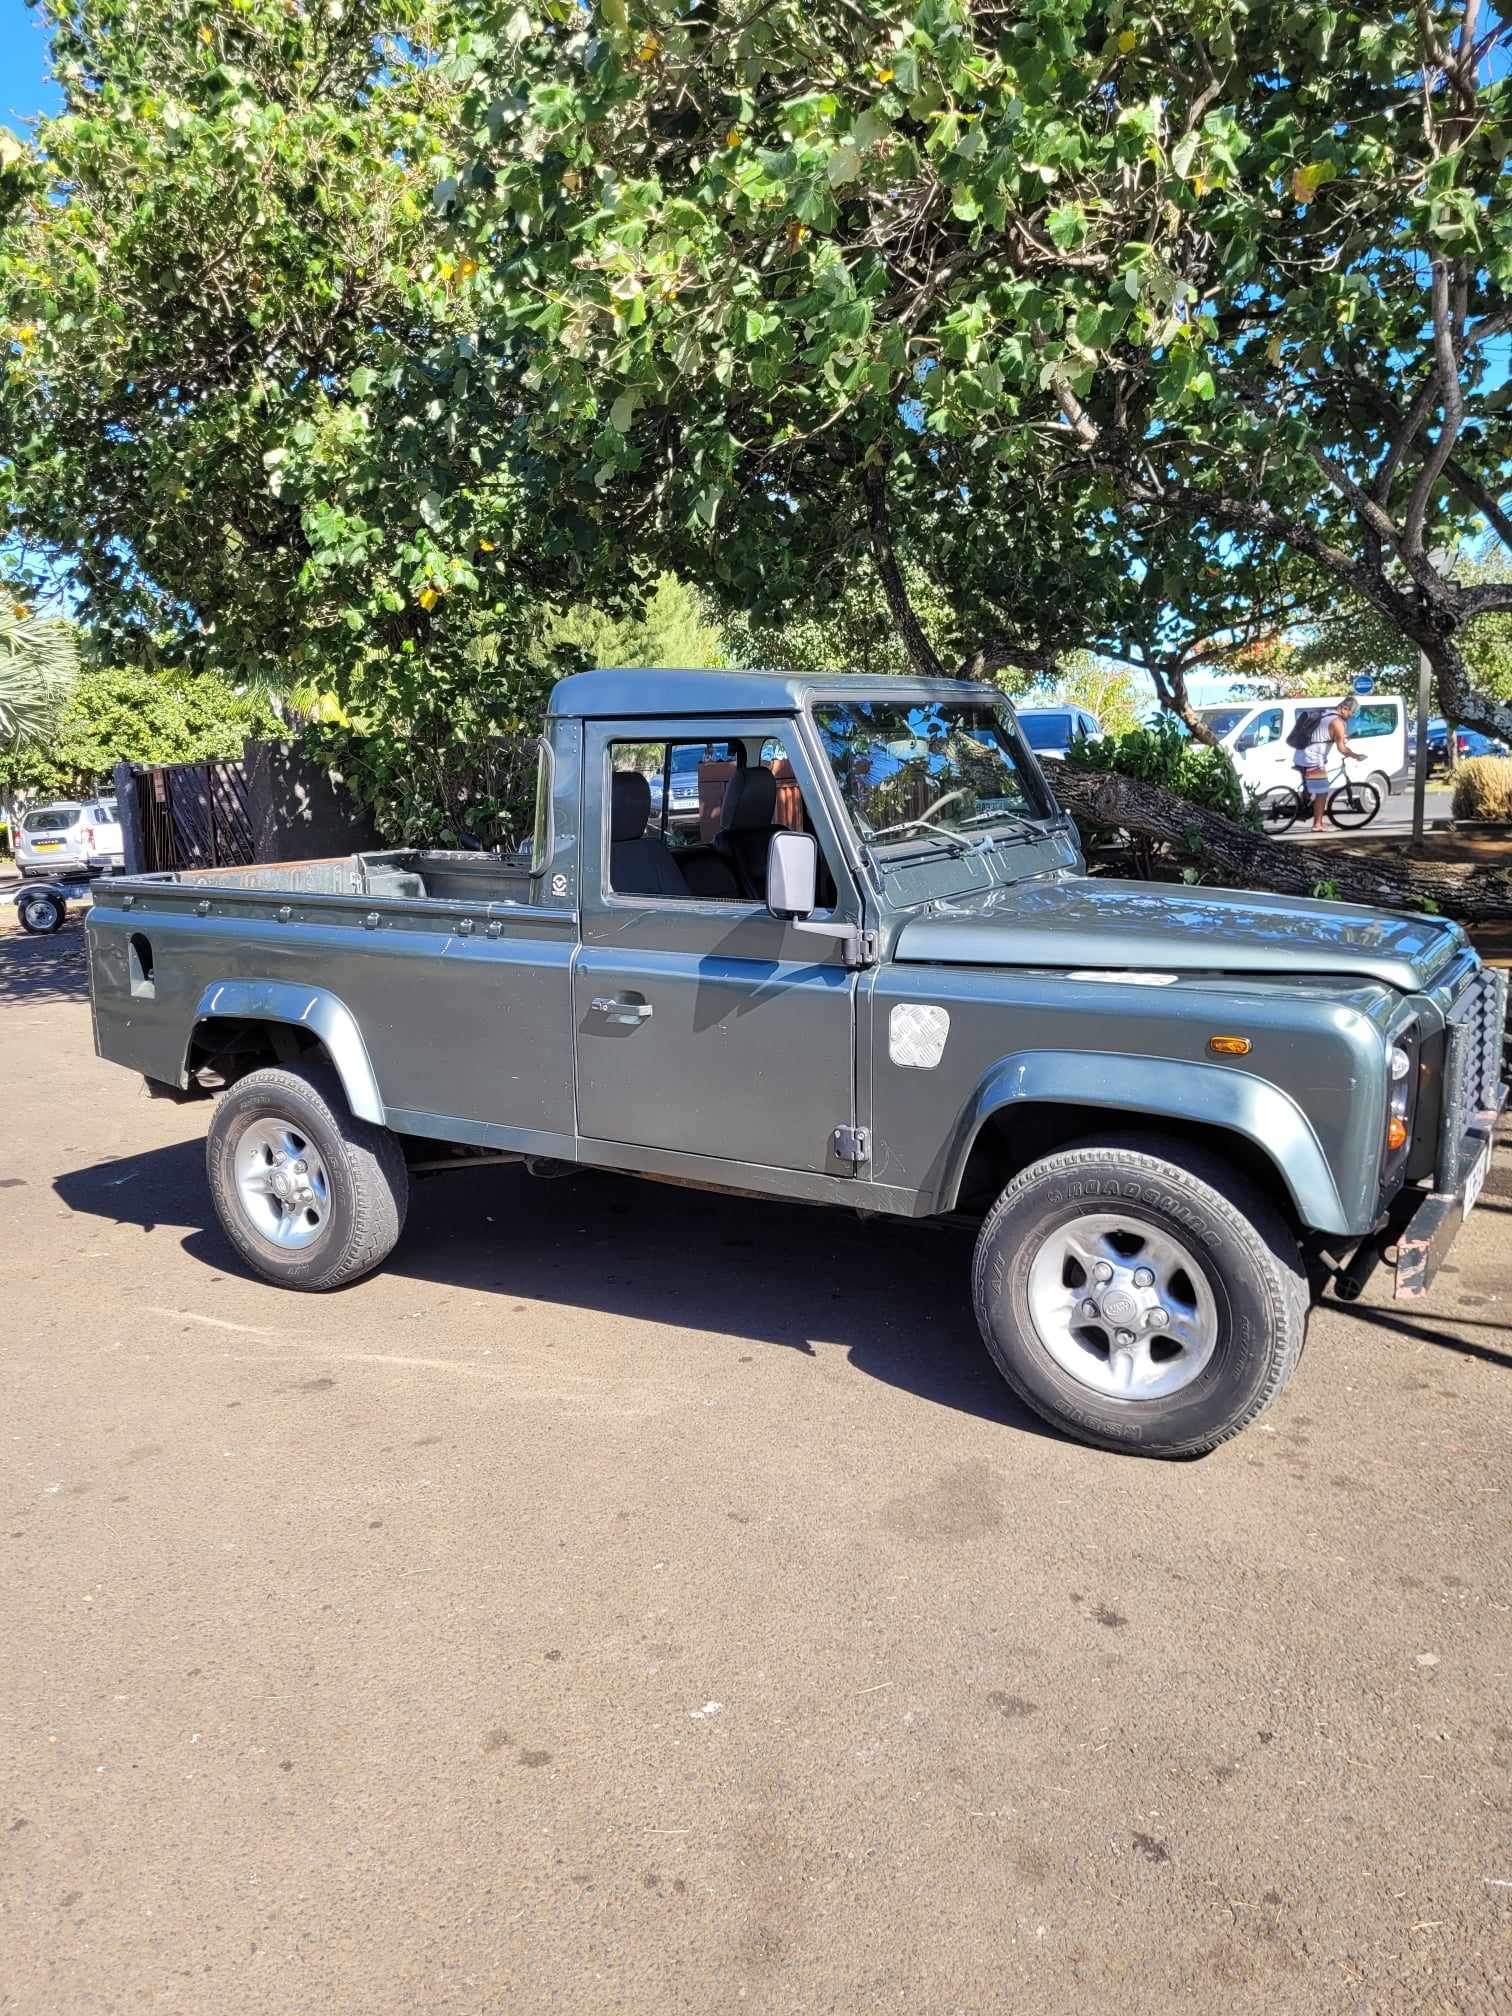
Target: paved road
{"points": [[1395, 816], [639, 1601]]}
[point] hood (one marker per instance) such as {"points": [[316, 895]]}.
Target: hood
{"points": [[1154, 926]]}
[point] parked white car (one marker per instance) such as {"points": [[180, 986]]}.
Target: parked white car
{"points": [[1050, 731], [1254, 733], [64, 839]]}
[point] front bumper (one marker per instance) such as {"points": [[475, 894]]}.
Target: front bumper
{"points": [[1474, 1098], [1434, 1226]]}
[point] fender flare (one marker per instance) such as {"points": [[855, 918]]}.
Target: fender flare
{"points": [[312, 1008], [1208, 1095]]}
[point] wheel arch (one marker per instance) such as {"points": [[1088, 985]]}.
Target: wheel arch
{"points": [[260, 1021], [1033, 1102]]}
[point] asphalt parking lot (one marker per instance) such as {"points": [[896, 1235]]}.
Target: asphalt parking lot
{"points": [[637, 1600]]}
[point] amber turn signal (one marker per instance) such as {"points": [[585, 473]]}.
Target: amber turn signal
{"points": [[1229, 1046], [1396, 1133]]}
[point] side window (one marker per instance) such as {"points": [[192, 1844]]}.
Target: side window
{"points": [[694, 820], [1372, 721], [1264, 728], [665, 800]]}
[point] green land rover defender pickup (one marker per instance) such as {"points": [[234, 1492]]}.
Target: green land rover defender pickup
{"points": [[871, 971]]}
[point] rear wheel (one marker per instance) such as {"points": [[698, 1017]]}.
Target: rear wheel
{"points": [[309, 1195], [1279, 809], [40, 912], [1140, 1295]]}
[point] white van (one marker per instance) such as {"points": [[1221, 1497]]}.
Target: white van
{"points": [[1254, 733]]}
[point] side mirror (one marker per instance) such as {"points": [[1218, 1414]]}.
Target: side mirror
{"points": [[792, 874]]}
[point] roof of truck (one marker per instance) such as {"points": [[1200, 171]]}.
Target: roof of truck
{"points": [[638, 693]]}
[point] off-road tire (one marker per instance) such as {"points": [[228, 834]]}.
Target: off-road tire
{"points": [[364, 1165], [1248, 1251]]}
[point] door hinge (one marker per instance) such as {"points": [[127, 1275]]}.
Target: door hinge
{"points": [[861, 950], [852, 1144]]}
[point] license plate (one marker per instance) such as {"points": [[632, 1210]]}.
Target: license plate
{"points": [[47, 843], [1475, 1182]]}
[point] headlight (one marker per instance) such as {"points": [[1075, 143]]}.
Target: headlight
{"points": [[1399, 1099]]}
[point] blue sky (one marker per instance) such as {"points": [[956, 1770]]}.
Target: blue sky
{"points": [[25, 87]]}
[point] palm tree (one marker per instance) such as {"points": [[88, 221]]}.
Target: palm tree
{"points": [[39, 661]]}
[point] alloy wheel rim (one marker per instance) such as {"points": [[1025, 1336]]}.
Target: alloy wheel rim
{"points": [[282, 1183], [1123, 1306]]}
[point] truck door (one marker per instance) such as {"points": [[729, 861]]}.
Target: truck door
{"points": [[704, 1026]]}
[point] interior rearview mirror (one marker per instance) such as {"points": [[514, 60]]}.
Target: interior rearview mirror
{"points": [[792, 874]]}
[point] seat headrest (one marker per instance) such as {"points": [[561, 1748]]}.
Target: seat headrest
{"points": [[629, 805], [750, 801]]}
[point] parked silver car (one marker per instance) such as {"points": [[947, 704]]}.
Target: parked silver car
{"points": [[57, 839]]}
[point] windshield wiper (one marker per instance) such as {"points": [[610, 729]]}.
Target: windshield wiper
{"points": [[953, 840], [1020, 827]]}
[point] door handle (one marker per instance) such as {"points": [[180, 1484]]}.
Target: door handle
{"points": [[620, 1011]]}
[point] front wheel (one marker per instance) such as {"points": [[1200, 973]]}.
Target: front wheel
{"points": [[1353, 805], [41, 913], [1140, 1295], [310, 1196]]}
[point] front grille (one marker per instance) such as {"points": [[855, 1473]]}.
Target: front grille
{"points": [[1474, 1039]]}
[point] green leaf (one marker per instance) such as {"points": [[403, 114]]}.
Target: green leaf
{"points": [[1067, 226]]}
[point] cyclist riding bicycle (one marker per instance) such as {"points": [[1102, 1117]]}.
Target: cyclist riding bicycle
{"points": [[1327, 732]]}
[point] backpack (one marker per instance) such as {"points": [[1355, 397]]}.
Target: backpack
{"points": [[1307, 726]]}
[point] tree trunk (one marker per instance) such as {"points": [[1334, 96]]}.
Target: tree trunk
{"points": [[1469, 891], [921, 653]]}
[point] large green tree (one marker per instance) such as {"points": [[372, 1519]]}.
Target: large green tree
{"points": [[1128, 323], [208, 263]]}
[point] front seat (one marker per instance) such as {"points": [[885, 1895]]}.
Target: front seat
{"points": [[640, 863], [747, 821]]}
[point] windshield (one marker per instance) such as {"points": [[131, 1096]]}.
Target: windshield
{"points": [[1047, 731], [927, 773], [1224, 720]]}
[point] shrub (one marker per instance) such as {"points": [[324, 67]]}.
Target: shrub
{"points": [[1483, 788]]}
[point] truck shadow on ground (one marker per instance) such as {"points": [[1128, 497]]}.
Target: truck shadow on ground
{"points": [[40, 969], [893, 1295]]}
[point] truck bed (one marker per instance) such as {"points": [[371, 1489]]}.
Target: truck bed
{"points": [[453, 876], [440, 982]]}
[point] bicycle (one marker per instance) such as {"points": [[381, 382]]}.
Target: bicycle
{"points": [[1349, 805]]}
